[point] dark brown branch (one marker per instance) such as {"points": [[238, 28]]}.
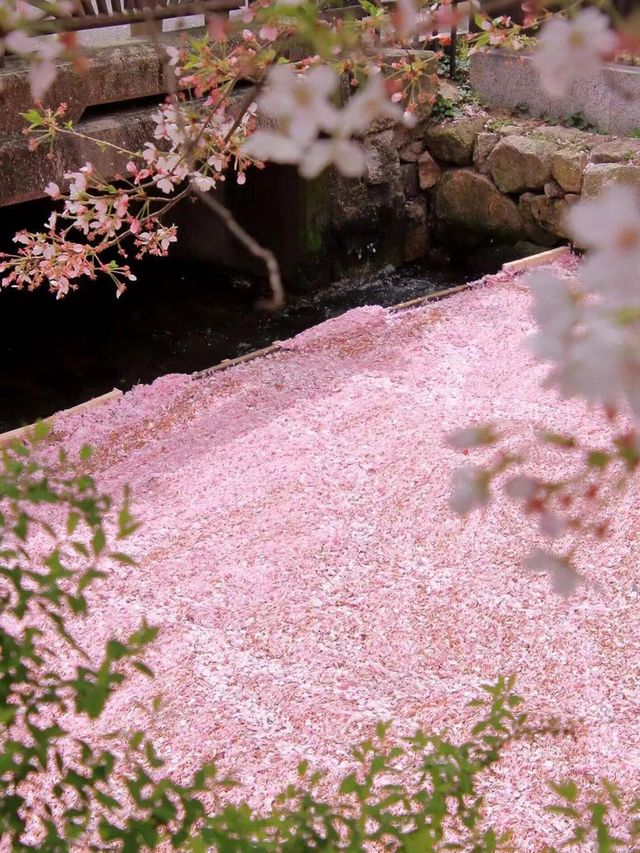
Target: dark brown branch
{"points": [[266, 255]]}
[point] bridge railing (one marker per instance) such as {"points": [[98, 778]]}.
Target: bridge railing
{"points": [[99, 14], [94, 14]]}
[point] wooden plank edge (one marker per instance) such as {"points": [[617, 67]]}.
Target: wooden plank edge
{"points": [[436, 296], [537, 260], [276, 346], [22, 432]]}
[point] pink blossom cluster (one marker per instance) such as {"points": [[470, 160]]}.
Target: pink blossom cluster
{"points": [[191, 148], [51, 258]]}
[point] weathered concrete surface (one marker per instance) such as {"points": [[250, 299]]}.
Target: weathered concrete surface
{"points": [[610, 99], [24, 173], [115, 79], [113, 75]]}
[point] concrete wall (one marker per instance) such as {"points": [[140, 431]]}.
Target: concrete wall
{"points": [[316, 228], [610, 99]]}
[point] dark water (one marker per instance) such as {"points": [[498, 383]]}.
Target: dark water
{"points": [[179, 319]]}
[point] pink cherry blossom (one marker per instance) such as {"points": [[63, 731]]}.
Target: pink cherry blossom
{"points": [[470, 489], [52, 190], [564, 578]]}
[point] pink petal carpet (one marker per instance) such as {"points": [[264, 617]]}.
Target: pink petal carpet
{"points": [[298, 551]]}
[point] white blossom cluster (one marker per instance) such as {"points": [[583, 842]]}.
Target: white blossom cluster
{"points": [[312, 132], [590, 332]]}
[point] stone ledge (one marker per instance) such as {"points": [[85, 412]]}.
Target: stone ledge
{"points": [[24, 173], [119, 73], [610, 99]]}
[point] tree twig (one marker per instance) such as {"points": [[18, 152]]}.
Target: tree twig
{"points": [[251, 244], [223, 213]]}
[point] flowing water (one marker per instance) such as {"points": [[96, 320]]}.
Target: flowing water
{"points": [[174, 319]]}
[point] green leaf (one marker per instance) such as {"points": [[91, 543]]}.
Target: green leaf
{"points": [[41, 430], [119, 557], [598, 459], [558, 439], [33, 117], [143, 668], [98, 541], [419, 841], [567, 790]]}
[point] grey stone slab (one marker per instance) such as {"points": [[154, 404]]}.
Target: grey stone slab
{"points": [[610, 99]]}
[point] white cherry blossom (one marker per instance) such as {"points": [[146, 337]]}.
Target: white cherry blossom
{"points": [[564, 578], [268, 145], [369, 103], [572, 50], [301, 101], [406, 18], [610, 227], [555, 312], [521, 487], [347, 156], [42, 55], [472, 436]]}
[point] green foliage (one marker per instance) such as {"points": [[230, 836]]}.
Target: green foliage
{"points": [[579, 121], [496, 124], [592, 818], [45, 575], [443, 108], [419, 794], [373, 10]]}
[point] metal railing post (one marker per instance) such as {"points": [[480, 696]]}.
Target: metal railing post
{"points": [[453, 45]]}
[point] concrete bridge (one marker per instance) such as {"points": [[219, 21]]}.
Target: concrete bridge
{"points": [[114, 99]]}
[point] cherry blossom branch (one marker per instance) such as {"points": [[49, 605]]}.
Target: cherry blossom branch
{"points": [[251, 244]]}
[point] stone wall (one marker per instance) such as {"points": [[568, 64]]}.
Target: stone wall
{"points": [[480, 183], [468, 184], [482, 191]]}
